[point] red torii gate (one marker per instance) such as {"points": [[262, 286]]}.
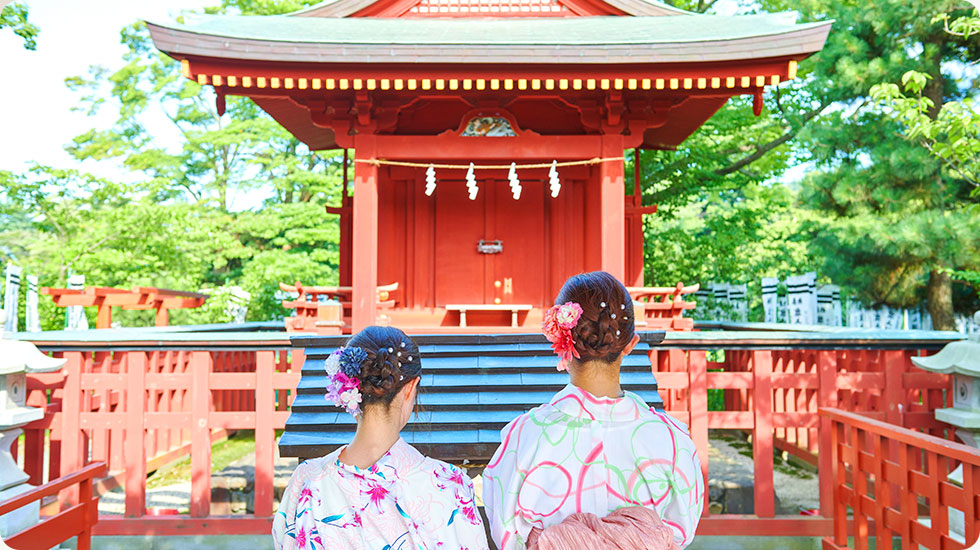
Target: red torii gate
{"points": [[104, 298], [446, 84]]}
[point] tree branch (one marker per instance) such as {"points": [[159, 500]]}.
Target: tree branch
{"points": [[955, 167], [761, 150]]}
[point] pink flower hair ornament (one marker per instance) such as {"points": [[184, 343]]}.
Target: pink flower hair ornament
{"points": [[557, 327]]}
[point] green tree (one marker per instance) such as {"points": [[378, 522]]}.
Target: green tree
{"points": [[174, 223], [894, 222], [14, 17]]}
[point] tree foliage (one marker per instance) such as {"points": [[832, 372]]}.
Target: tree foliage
{"points": [[874, 212], [238, 201], [14, 17]]}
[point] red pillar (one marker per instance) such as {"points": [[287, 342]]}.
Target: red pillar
{"points": [[612, 230], [365, 234]]}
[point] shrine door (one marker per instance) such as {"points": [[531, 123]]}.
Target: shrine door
{"points": [[516, 274]]}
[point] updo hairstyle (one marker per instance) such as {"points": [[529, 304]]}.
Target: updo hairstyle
{"points": [[607, 325], [393, 360]]}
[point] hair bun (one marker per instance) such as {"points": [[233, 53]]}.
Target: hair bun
{"points": [[392, 361], [607, 325], [379, 373]]}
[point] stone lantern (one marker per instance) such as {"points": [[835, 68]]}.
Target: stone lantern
{"points": [[17, 359], [962, 360]]}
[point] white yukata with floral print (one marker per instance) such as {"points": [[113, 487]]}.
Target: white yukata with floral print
{"points": [[405, 501], [582, 453]]}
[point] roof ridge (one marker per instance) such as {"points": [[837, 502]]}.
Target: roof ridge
{"points": [[346, 8]]}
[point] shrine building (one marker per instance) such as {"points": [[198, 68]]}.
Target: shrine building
{"points": [[488, 135]]}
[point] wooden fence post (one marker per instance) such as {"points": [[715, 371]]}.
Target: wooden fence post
{"points": [[84, 540], [826, 397], [265, 433], [71, 431], [697, 372], [762, 434], [835, 475], [201, 364], [135, 441]]}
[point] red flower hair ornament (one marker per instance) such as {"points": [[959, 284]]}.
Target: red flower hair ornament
{"points": [[557, 327]]}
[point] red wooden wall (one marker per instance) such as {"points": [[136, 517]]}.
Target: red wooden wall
{"points": [[428, 244]]}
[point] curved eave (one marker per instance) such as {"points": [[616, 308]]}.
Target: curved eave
{"points": [[798, 43], [347, 8]]}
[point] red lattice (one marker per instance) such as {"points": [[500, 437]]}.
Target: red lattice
{"points": [[494, 7]]}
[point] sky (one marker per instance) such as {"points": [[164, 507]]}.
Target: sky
{"points": [[36, 120]]}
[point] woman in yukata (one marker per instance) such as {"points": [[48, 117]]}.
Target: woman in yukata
{"points": [[595, 467], [378, 492]]}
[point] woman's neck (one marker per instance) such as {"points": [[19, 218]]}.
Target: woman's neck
{"points": [[375, 436], [598, 378]]}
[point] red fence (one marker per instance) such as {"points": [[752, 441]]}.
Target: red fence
{"points": [[177, 392], [773, 387], [74, 521], [177, 401], [894, 483]]}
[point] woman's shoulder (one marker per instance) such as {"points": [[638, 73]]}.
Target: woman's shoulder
{"points": [[445, 473], [657, 418], [314, 469]]}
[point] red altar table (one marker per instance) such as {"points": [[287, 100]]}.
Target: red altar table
{"points": [[105, 298]]}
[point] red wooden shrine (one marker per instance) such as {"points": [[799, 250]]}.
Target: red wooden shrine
{"points": [[407, 84]]}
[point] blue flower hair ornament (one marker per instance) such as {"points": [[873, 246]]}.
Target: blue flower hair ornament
{"points": [[351, 359], [343, 387]]}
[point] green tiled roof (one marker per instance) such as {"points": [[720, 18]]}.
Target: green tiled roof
{"points": [[585, 31]]}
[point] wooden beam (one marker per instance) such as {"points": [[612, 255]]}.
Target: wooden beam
{"points": [[435, 148]]}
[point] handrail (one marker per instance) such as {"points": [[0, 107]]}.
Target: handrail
{"points": [[94, 470], [879, 477], [644, 290], [75, 520], [926, 442]]}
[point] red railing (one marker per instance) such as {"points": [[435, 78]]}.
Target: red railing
{"points": [[773, 386], [126, 401], [176, 401], [75, 521], [891, 482]]}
